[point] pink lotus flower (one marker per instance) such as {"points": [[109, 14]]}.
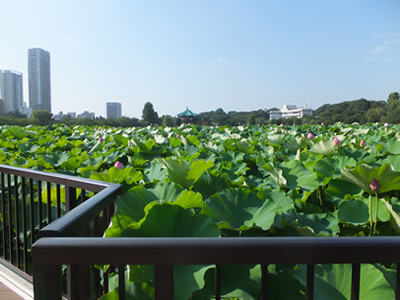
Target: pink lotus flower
{"points": [[336, 142], [363, 143], [118, 165], [386, 124], [310, 136], [322, 124], [375, 185]]}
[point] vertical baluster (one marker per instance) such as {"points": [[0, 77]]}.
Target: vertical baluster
{"points": [[164, 282], [97, 287], [48, 202], [10, 225], [17, 222], [31, 212], [83, 196], [121, 282], [355, 282], [105, 281], [58, 201], [264, 282], [3, 213], [70, 198], [40, 215], [310, 282], [218, 282], [24, 225], [397, 281]]}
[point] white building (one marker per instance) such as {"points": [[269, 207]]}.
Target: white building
{"points": [[113, 110], [60, 115], [86, 115], [289, 111], [11, 90], [39, 79]]}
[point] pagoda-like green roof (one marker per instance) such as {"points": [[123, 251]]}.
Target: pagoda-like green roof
{"points": [[187, 113]]}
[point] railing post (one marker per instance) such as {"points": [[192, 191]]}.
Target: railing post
{"points": [[70, 198], [47, 282], [164, 282]]}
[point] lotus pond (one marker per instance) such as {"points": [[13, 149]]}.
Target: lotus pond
{"points": [[261, 181]]}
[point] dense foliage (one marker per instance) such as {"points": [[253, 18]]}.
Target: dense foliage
{"points": [[259, 181]]}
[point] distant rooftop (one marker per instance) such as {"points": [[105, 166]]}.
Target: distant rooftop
{"points": [[187, 113]]}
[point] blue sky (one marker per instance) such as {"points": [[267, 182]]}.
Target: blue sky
{"points": [[237, 55]]}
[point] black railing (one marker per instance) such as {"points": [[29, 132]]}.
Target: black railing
{"points": [[164, 253], [32, 200], [70, 226]]}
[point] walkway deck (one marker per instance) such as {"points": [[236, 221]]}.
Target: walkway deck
{"points": [[7, 293]]}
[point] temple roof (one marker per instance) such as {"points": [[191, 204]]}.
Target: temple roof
{"points": [[187, 113]]}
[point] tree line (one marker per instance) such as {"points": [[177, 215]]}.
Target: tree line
{"points": [[361, 111]]}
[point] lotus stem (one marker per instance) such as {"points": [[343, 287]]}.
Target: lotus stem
{"points": [[376, 212], [370, 215]]}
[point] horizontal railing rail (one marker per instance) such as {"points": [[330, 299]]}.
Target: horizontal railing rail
{"points": [[36, 204], [50, 254]]}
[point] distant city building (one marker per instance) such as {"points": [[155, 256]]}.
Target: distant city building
{"points": [[2, 109], [113, 110], [39, 79], [26, 110], [86, 115], [61, 115], [11, 90], [289, 111], [187, 115]]}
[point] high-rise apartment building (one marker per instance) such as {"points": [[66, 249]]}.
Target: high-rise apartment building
{"points": [[11, 90], [39, 79], [113, 110]]}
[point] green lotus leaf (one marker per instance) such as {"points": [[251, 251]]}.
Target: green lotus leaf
{"points": [[169, 220], [298, 176], [324, 147], [166, 191], [241, 209], [190, 199], [275, 174], [362, 175], [180, 172], [129, 209], [128, 175], [332, 282], [354, 212]]}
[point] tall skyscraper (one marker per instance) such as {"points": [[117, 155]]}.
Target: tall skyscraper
{"points": [[39, 79], [11, 90], [113, 110]]}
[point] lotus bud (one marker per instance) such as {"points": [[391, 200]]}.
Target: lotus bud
{"points": [[294, 124], [322, 123], [281, 124], [283, 130], [310, 136], [118, 165], [336, 142], [363, 143], [101, 140], [375, 185], [386, 124]]}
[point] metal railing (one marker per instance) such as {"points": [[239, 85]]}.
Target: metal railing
{"points": [[31, 200], [164, 253], [70, 243]]}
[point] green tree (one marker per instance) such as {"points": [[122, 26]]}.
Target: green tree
{"points": [[167, 121], [41, 117], [375, 114], [251, 120], [149, 115]]}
